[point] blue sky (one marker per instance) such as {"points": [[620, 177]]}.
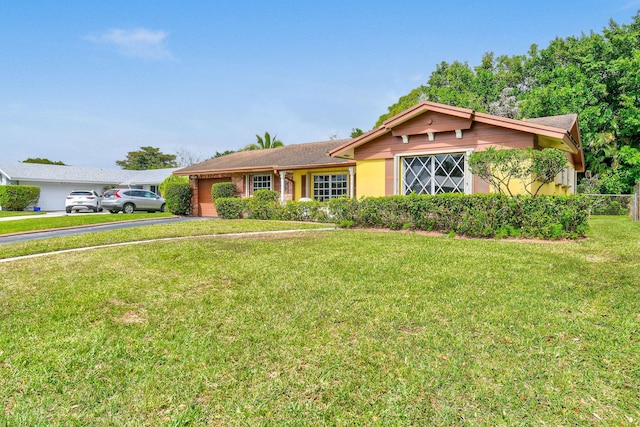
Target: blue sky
{"points": [[87, 82]]}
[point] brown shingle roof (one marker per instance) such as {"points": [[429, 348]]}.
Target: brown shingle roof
{"points": [[295, 156], [565, 121]]}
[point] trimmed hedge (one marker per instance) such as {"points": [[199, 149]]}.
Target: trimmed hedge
{"points": [[476, 215], [178, 197], [231, 207], [18, 197], [223, 190], [170, 180], [264, 205]]}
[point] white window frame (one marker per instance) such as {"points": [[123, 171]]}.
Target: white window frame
{"points": [[261, 187], [397, 167], [330, 196]]}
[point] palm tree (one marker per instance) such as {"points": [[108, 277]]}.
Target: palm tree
{"points": [[263, 143]]}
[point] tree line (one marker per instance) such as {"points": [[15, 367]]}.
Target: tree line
{"points": [[152, 158], [595, 75]]}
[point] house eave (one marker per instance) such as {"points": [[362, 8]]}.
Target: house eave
{"points": [[269, 168]]}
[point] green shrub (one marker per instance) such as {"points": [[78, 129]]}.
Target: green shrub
{"points": [[178, 198], [476, 215], [301, 211], [264, 205], [551, 217], [231, 207], [171, 179], [223, 190], [342, 209], [18, 197]]}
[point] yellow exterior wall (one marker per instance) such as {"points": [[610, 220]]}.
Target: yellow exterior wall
{"points": [[549, 189], [560, 187], [370, 178], [298, 174]]}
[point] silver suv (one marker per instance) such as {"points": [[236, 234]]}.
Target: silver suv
{"points": [[130, 200]]}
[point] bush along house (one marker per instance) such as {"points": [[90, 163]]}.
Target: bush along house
{"points": [[424, 150]]}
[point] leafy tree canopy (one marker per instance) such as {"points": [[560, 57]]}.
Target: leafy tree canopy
{"points": [[264, 142], [595, 75], [356, 132], [223, 153], [43, 161], [502, 168], [147, 158]]}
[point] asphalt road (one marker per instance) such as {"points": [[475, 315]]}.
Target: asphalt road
{"points": [[46, 234]]}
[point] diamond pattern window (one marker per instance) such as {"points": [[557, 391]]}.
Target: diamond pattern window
{"points": [[441, 173]]}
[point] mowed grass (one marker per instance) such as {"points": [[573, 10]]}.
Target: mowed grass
{"points": [[70, 220], [200, 227], [340, 327], [4, 214]]}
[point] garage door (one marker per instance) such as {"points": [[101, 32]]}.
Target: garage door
{"points": [[53, 195], [205, 201]]}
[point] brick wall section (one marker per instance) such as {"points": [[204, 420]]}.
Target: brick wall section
{"points": [[238, 180], [195, 207]]}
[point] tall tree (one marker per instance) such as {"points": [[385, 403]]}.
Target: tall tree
{"points": [[147, 158], [186, 158], [223, 153], [264, 142], [595, 75], [356, 132], [43, 161]]}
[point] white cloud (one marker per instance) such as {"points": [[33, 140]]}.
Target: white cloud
{"points": [[137, 42]]}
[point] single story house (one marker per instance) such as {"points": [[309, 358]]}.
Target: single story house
{"points": [[56, 181], [296, 171], [424, 149]]}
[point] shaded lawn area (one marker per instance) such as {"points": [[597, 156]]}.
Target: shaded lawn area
{"points": [[333, 328]]}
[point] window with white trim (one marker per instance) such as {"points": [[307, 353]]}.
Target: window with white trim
{"points": [[260, 182], [327, 187], [433, 174]]}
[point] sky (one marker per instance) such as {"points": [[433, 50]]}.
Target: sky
{"points": [[87, 82]]}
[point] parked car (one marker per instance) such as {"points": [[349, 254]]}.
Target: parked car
{"points": [[130, 200], [83, 199]]}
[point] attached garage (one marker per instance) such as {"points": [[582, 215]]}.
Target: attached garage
{"points": [[205, 201], [56, 181]]}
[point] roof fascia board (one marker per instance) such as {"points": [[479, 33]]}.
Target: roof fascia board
{"points": [[70, 181], [270, 168], [529, 127], [403, 117], [425, 106], [362, 139]]}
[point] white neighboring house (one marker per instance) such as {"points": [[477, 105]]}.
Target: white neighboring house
{"points": [[56, 182]]}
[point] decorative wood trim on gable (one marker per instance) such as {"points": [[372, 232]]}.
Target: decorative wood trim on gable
{"points": [[430, 118], [431, 122]]}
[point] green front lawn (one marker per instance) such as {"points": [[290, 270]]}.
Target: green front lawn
{"points": [[340, 327], [4, 214], [71, 220], [148, 232]]}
